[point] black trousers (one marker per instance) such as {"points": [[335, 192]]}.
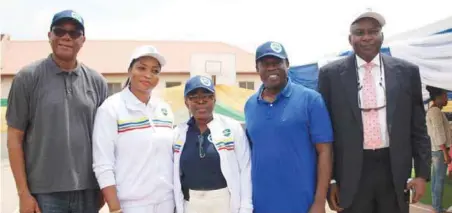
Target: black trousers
{"points": [[376, 193]]}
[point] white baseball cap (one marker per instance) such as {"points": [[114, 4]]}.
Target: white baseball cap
{"points": [[148, 50], [373, 15]]}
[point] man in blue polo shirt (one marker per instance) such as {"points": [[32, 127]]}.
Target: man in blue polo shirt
{"points": [[290, 131]]}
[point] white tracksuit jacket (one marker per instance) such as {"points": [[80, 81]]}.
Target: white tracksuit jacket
{"points": [[132, 149], [232, 145]]}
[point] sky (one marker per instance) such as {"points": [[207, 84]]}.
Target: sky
{"points": [[308, 29]]}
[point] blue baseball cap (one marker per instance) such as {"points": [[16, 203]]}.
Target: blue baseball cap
{"points": [[197, 82], [68, 15], [271, 48]]}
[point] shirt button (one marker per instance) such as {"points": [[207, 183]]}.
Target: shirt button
{"points": [[271, 105]]}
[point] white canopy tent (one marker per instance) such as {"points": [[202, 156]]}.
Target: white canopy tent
{"points": [[429, 47]]}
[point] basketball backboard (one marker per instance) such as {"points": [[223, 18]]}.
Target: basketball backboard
{"points": [[220, 65]]}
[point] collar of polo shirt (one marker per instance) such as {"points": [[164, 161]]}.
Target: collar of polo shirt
{"points": [[286, 92], [58, 70]]}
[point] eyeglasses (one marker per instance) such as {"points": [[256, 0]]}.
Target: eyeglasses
{"points": [[202, 154], [379, 104], [74, 34], [199, 98]]}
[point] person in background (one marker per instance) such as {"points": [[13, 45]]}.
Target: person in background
{"points": [[291, 135], [50, 116], [376, 107], [441, 139], [449, 174], [211, 157], [132, 141]]}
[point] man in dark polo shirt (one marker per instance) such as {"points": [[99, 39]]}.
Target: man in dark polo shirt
{"points": [[290, 131], [51, 108]]}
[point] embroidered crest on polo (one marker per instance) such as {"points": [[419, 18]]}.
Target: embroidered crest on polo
{"points": [[205, 81], [77, 16], [276, 47]]}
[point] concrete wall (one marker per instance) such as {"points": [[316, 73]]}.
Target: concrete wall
{"points": [[184, 77], [250, 78], [121, 78], [5, 85]]}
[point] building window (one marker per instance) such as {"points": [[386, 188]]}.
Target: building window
{"points": [[246, 85], [172, 84], [114, 88]]}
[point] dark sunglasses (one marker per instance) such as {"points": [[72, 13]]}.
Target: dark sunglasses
{"points": [[74, 34]]}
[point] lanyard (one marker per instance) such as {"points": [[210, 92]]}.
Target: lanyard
{"points": [[357, 73]]}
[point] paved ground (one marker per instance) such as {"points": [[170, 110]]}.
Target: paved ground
{"points": [[9, 201]]}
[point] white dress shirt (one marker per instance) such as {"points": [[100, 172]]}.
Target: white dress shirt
{"points": [[379, 77]]}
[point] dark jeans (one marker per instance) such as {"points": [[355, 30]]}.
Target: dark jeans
{"points": [[84, 201]]}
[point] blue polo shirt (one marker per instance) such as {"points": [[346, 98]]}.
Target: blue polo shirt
{"points": [[283, 136]]}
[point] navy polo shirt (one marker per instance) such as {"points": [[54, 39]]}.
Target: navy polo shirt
{"points": [[200, 173], [283, 135]]}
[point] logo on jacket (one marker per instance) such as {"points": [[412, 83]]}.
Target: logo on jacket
{"points": [[227, 132], [164, 112], [210, 138]]}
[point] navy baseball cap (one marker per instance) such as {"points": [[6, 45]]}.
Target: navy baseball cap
{"points": [[197, 82], [271, 48], [68, 15]]}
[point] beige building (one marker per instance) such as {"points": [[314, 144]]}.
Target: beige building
{"points": [[229, 64]]}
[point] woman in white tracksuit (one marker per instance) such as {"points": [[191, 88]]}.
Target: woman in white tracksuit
{"points": [[211, 157], [132, 142]]}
